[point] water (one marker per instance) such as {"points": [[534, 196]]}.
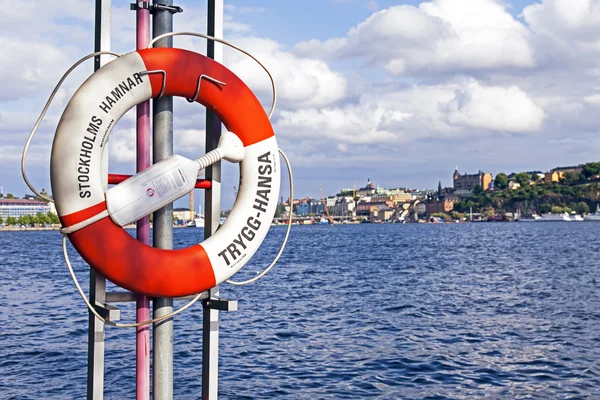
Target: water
{"points": [[352, 312]]}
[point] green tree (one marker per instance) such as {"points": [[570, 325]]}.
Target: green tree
{"points": [[501, 181], [33, 219], [11, 221], [523, 178], [558, 210], [477, 190], [583, 208], [591, 170], [53, 218], [1, 221], [457, 216], [25, 220], [10, 196], [43, 218], [571, 177]]}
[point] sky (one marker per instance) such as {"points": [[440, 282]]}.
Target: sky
{"points": [[401, 92]]}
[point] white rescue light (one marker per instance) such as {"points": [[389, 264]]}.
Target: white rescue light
{"points": [[165, 182]]}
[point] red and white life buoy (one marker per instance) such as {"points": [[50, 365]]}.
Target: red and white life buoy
{"points": [[77, 181]]}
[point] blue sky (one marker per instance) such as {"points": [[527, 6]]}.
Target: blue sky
{"points": [[397, 91]]}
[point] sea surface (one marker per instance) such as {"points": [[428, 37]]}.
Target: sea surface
{"points": [[458, 311]]}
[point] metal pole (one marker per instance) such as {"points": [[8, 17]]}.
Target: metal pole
{"points": [[143, 225], [162, 136], [96, 333], [212, 205]]}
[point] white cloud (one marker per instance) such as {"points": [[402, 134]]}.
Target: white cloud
{"points": [[407, 115], [566, 20], [593, 99], [495, 109], [437, 36], [300, 81]]}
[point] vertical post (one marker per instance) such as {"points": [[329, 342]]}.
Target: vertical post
{"points": [[162, 233], [212, 205], [95, 371], [143, 225]]}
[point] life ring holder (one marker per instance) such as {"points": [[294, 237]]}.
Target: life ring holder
{"points": [[77, 184]]}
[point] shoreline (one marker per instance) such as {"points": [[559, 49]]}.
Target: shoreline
{"points": [[57, 227]]}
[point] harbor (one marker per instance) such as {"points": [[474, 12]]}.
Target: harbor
{"points": [[345, 199]]}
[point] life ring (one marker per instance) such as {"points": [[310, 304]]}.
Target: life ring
{"points": [[77, 183]]}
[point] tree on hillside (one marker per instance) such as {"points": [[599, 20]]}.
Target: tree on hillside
{"points": [[591, 169], [571, 177], [545, 208], [523, 178], [583, 208], [11, 221], [477, 190], [501, 181]]}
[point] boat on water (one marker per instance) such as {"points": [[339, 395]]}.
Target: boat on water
{"points": [[593, 217], [191, 224], [549, 217], [556, 217], [576, 218], [530, 218]]}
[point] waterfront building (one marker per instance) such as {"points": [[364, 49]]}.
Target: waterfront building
{"points": [[309, 206], [344, 206], [440, 205], [464, 184], [381, 213], [20, 207], [364, 206], [183, 214]]}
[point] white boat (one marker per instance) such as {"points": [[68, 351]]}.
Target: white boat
{"points": [[532, 218], [576, 218], [556, 217], [191, 224], [593, 217]]}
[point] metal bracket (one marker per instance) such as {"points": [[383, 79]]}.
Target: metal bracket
{"points": [[144, 5], [108, 312], [154, 7], [220, 304], [208, 78], [164, 80], [162, 7]]}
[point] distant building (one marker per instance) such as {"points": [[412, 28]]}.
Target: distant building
{"points": [[19, 207], [343, 207], [310, 206], [368, 190], [440, 206], [464, 184], [182, 214], [512, 185], [557, 174], [381, 213]]}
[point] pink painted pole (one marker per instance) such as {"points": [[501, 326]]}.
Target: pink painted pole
{"points": [[143, 225]]}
